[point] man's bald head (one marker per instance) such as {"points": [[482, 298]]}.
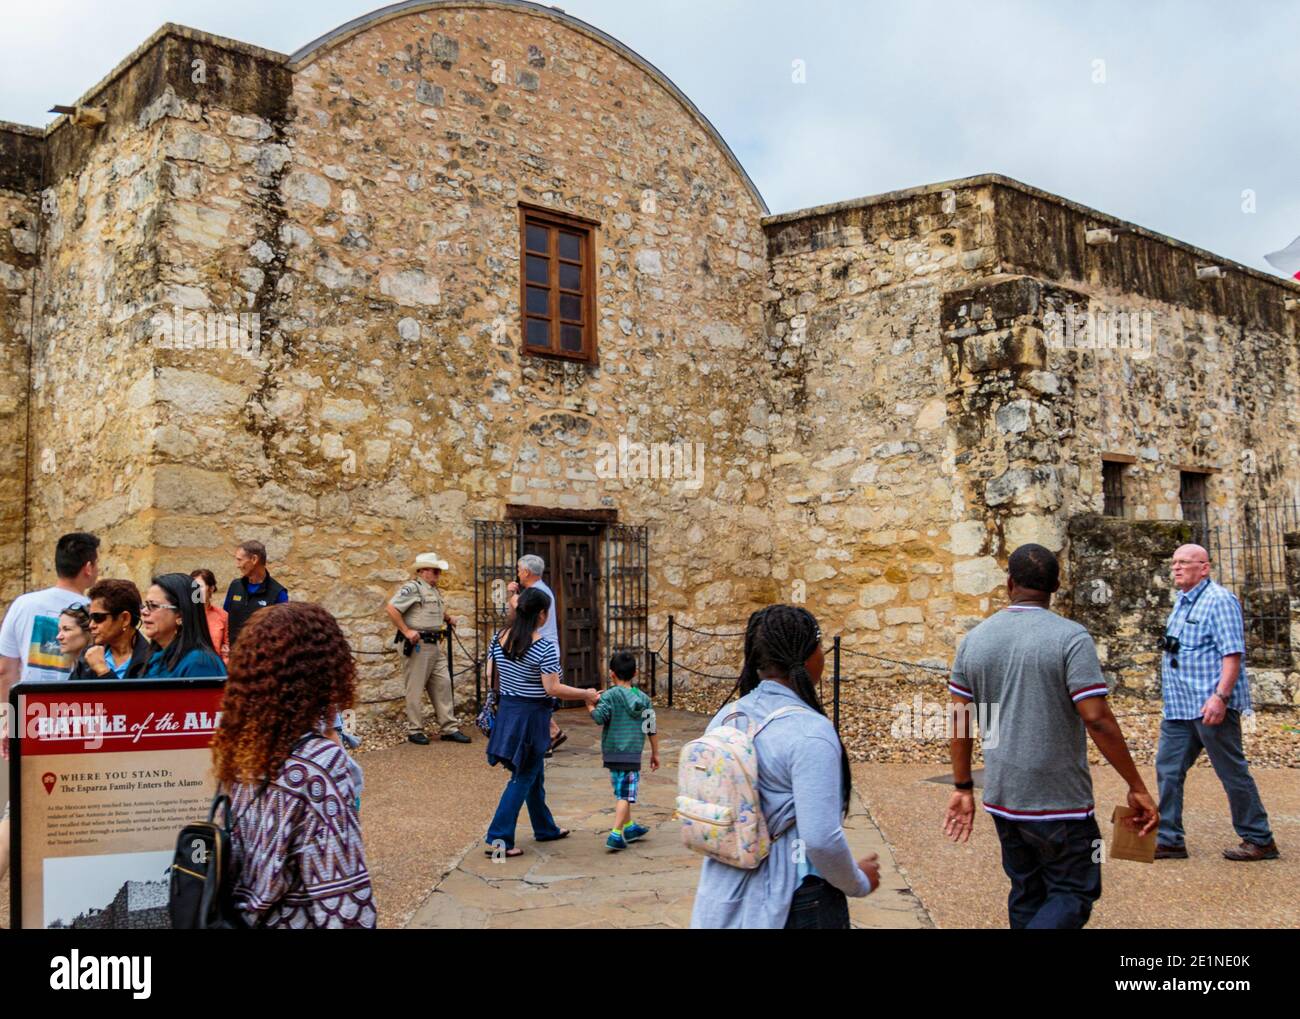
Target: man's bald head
{"points": [[1191, 565]]}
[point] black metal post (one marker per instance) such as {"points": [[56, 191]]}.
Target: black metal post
{"points": [[451, 672], [837, 684], [670, 661], [478, 685], [654, 659]]}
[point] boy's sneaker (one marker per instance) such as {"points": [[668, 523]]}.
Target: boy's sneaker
{"points": [[634, 831], [615, 841]]}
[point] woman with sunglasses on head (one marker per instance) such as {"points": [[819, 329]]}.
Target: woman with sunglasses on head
{"points": [[74, 632], [804, 786], [173, 619]]}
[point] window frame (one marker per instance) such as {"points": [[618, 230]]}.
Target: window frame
{"points": [[1199, 478], [1113, 496], [589, 229]]}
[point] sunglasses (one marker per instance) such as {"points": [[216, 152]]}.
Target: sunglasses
{"points": [[100, 617]]}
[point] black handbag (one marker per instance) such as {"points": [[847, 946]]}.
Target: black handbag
{"points": [[202, 878]]}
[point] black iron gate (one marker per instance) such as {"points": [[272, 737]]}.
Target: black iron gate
{"points": [[497, 547], [625, 581], [1248, 556], [627, 594]]}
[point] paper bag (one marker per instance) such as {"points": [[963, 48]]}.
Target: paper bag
{"points": [[1126, 844]]}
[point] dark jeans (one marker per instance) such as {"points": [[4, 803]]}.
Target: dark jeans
{"points": [[818, 906], [1181, 741], [525, 787], [1054, 881]]}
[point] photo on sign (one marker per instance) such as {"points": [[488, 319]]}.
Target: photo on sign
{"points": [[122, 891]]}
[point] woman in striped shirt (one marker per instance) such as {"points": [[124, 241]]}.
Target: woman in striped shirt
{"points": [[525, 669]]}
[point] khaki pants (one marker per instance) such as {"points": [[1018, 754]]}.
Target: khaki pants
{"points": [[426, 669]]}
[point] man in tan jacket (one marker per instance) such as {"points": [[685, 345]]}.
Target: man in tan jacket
{"points": [[418, 611]]}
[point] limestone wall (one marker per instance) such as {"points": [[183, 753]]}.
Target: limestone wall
{"points": [[279, 299], [20, 154], [1212, 381], [867, 501], [371, 220], [927, 419]]}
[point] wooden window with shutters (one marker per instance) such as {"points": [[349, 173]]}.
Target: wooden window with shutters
{"points": [[557, 284]]}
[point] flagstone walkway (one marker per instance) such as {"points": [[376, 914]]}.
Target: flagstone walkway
{"points": [[577, 882]]}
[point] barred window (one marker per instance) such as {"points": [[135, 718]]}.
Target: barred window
{"points": [[1193, 494], [1112, 488]]}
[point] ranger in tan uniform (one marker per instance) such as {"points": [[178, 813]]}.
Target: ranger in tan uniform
{"points": [[418, 611]]}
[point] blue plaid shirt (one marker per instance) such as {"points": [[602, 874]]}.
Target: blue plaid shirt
{"points": [[1207, 622]]}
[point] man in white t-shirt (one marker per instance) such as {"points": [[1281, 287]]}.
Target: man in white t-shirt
{"points": [[29, 635]]}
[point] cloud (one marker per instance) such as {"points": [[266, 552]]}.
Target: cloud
{"points": [[1198, 102]]}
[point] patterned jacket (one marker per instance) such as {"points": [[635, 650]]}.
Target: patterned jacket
{"points": [[297, 847]]}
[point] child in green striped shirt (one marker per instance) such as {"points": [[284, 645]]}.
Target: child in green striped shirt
{"points": [[628, 717]]}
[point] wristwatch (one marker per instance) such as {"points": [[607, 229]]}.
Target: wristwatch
{"points": [[1221, 697], [966, 786]]}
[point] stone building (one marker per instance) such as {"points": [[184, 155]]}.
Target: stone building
{"points": [[137, 906], [475, 277]]}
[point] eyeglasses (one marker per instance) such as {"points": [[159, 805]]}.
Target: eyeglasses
{"points": [[148, 607], [1171, 645]]}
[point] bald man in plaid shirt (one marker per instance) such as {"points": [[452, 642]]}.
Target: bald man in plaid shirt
{"points": [[1203, 680]]}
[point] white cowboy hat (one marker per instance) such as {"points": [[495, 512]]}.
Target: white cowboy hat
{"points": [[430, 561]]}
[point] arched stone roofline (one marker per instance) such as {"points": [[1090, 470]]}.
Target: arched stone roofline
{"points": [[317, 47]]}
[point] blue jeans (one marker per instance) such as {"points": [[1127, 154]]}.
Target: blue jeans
{"points": [[1181, 741], [818, 906], [1054, 879], [525, 787]]}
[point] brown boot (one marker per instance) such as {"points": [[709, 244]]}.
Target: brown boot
{"points": [[1178, 852], [1248, 852]]}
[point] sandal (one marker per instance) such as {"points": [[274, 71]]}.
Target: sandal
{"points": [[564, 834], [560, 737], [509, 854]]}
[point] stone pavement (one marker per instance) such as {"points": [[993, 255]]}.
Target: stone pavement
{"points": [[577, 882]]}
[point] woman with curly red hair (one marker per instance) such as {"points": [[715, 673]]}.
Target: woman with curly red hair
{"points": [[296, 838]]}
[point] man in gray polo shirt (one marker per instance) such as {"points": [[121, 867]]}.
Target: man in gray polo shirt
{"points": [[1037, 673]]}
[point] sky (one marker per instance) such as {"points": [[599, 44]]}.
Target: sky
{"points": [[1183, 117]]}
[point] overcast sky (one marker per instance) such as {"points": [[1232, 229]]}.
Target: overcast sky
{"points": [[1160, 113]]}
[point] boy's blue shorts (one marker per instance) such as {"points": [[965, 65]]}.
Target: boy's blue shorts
{"points": [[625, 784]]}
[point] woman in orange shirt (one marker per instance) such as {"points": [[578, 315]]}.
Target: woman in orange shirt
{"points": [[218, 621]]}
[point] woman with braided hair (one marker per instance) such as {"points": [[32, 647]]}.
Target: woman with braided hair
{"points": [[804, 786]]}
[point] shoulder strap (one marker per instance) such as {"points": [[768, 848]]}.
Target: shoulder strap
{"points": [[789, 709]]}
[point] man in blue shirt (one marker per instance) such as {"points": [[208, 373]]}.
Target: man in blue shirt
{"points": [[253, 589], [1203, 681], [529, 570]]}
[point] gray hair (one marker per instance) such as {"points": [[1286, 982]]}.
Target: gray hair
{"points": [[534, 564]]}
